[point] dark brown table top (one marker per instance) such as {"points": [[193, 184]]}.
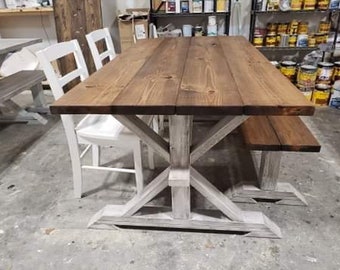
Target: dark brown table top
{"points": [[198, 75]]}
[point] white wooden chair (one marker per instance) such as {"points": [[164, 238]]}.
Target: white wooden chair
{"points": [[99, 35], [98, 58], [93, 130]]}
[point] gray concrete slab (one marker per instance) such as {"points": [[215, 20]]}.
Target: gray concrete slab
{"points": [[43, 227]]}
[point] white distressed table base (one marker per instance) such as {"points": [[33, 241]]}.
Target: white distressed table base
{"points": [[284, 194], [180, 176]]}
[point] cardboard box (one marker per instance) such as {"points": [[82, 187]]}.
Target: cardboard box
{"points": [[133, 28]]}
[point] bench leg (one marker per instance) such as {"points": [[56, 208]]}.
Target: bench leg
{"points": [[21, 115], [39, 101], [267, 187]]}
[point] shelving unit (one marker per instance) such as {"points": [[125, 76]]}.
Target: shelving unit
{"points": [[156, 16], [255, 14], [26, 11]]}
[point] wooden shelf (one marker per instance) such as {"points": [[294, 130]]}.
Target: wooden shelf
{"points": [[26, 11]]}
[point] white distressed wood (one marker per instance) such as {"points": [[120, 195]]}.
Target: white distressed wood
{"points": [[137, 153], [95, 155], [256, 225], [149, 192], [284, 194], [215, 196], [216, 134], [269, 169], [180, 127], [109, 52], [146, 134], [179, 178]]}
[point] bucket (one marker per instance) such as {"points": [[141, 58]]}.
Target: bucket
{"points": [[325, 72], [334, 101], [187, 30], [306, 77], [321, 95], [288, 69]]}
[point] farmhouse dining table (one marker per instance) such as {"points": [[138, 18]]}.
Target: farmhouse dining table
{"points": [[182, 78]]}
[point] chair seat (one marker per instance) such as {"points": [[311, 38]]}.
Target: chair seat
{"points": [[102, 128]]}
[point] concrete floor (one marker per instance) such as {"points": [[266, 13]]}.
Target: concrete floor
{"points": [[43, 227]]}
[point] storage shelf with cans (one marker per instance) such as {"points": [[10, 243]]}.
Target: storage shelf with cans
{"points": [[302, 35], [182, 13]]}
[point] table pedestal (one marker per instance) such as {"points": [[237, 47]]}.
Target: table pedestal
{"points": [[180, 176]]}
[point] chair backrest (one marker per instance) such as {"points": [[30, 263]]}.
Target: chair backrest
{"points": [[98, 35], [55, 52]]}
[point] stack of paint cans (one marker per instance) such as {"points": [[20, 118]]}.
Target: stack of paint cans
{"points": [[292, 34]]}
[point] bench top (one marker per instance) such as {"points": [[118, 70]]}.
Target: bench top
{"points": [[278, 133], [187, 76], [14, 44], [16, 83]]}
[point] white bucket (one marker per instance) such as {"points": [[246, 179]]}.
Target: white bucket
{"points": [[187, 30]]}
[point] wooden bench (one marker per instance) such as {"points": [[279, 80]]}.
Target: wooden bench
{"points": [[273, 135], [15, 84]]}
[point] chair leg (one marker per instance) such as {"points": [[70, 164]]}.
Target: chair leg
{"points": [[137, 158], [76, 169], [95, 155], [161, 124]]}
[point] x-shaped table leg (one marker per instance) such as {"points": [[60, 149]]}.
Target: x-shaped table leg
{"points": [[180, 176]]}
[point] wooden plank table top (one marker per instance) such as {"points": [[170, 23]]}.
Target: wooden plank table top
{"points": [[8, 45], [187, 76]]}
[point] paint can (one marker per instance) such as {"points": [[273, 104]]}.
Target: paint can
{"points": [[306, 77], [311, 41], [336, 72], [308, 93], [212, 30], [334, 4], [258, 40], [292, 40], [282, 28], [325, 72], [212, 20], [334, 100], [271, 40], [319, 38], [288, 69], [324, 27], [187, 30], [295, 4], [309, 4], [323, 4], [302, 28], [302, 40], [198, 31], [321, 94], [208, 6], [284, 40], [293, 27], [271, 28]]}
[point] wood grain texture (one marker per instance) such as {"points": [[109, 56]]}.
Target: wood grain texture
{"points": [[97, 93], [278, 133], [155, 87], [207, 84], [293, 134], [12, 85], [74, 19], [187, 76], [258, 134], [262, 87]]}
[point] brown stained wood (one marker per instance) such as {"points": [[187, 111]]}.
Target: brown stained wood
{"points": [[293, 134], [263, 89], [74, 19], [97, 93], [207, 83], [188, 76], [155, 87], [258, 134]]}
